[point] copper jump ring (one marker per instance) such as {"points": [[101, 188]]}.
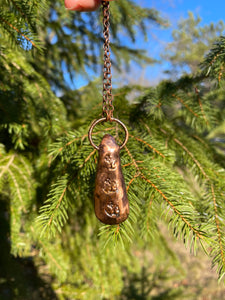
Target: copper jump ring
{"points": [[104, 120]]}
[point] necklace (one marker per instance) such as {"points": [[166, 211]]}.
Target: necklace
{"points": [[110, 196]]}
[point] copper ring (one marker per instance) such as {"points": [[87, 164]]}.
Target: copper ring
{"points": [[104, 120]]}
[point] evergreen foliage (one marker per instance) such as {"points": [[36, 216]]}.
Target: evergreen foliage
{"points": [[173, 163], [191, 42]]}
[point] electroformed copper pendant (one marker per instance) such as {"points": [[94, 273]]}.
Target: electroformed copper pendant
{"points": [[111, 203], [110, 196]]}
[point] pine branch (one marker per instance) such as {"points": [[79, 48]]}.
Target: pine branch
{"points": [[182, 101], [19, 22], [214, 62], [18, 31], [13, 171]]}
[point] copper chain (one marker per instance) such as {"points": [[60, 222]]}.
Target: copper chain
{"points": [[107, 106]]}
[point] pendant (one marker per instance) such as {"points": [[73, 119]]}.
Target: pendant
{"points": [[111, 203], [110, 196]]}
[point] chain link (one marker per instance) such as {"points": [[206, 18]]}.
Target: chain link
{"points": [[107, 106]]}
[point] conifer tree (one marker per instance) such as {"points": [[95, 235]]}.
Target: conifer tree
{"points": [[191, 42], [173, 163]]}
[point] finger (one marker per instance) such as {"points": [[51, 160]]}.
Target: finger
{"points": [[83, 5]]}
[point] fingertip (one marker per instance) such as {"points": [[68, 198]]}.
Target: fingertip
{"points": [[82, 5]]}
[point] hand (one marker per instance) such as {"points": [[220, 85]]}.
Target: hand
{"points": [[83, 5]]}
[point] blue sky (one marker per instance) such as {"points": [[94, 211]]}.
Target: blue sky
{"points": [[173, 10], [209, 10]]}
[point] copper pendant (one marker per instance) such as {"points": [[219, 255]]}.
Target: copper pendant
{"points": [[111, 203]]}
